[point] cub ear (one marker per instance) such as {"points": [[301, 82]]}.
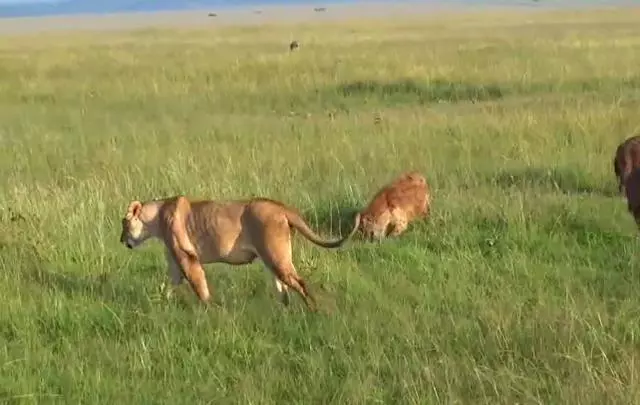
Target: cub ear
{"points": [[134, 208]]}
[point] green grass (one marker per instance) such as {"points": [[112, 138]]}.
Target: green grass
{"points": [[521, 289]]}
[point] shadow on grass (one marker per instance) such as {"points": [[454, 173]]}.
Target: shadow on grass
{"points": [[423, 93], [446, 91], [553, 179], [98, 287]]}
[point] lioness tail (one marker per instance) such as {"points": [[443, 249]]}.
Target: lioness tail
{"points": [[297, 222]]}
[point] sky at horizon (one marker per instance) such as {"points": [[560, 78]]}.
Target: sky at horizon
{"points": [[8, 2], [25, 1]]}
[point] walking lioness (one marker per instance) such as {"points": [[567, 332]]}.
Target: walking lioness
{"points": [[233, 232]]}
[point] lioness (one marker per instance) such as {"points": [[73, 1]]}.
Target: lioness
{"points": [[626, 159], [395, 205], [233, 232]]}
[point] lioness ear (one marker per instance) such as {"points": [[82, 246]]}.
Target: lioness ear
{"points": [[134, 208]]}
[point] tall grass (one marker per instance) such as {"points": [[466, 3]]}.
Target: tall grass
{"points": [[522, 287]]}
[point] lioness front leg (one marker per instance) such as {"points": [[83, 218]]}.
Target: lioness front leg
{"points": [[175, 275], [194, 273]]}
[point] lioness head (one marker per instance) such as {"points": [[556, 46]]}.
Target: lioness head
{"points": [[134, 231]]}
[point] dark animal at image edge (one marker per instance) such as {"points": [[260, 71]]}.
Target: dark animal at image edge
{"points": [[632, 191], [626, 159]]}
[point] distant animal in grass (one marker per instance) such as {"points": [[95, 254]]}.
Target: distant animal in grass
{"points": [[294, 45], [626, 159], [212, 15], [319, 9], [632, 191], [395, 206]]}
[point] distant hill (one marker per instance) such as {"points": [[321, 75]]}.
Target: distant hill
{"points": [[113, 6]]}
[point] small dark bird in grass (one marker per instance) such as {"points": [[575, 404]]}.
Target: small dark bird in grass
{"points": [[294, 45], [377, 118]]}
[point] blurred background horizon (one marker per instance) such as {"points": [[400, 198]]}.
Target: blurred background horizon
{"points": [[34, 8]]}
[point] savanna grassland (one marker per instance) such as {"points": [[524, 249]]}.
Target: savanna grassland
{"points": [[522, 288]]}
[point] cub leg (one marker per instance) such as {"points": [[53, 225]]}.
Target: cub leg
{"points": [[399, 227], [426, 208], [400, 223]]}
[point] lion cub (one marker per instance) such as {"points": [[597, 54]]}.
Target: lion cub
{"points": [[395, 205], [233, 232]]}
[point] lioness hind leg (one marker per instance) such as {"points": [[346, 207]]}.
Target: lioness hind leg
{"points": [[291, 279], [274, 249], [287, 276]]}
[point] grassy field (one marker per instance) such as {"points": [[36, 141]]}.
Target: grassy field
{"points": [[521, 289]]}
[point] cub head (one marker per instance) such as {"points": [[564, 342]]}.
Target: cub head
{"points": [[134, 231], [368, 228]]}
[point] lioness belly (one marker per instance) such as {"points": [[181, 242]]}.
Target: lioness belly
{"points": [[235, 257], [239, 257]]}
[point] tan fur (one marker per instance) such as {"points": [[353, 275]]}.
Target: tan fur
{"points": [[395, 206], [632, 191], [234, 232], [626, 159]]}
